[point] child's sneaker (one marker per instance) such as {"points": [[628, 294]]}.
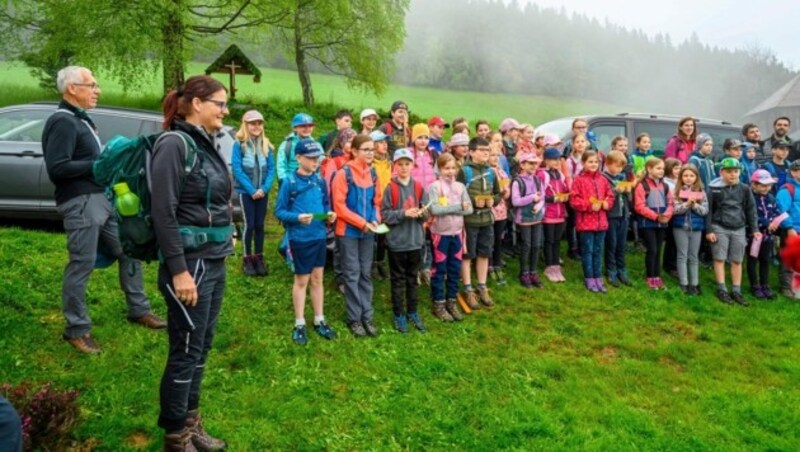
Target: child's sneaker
{"points": [[501, 277], [299, 335], [486, 299], [651, 283], [370, 328], [560, 274], [524, 280], [738, 298], [451, 306], [417, 322], [623, 278], [357, 328], [768, 294], [660, 284], [598, 282], [613, 280], [550, 273], [590, 285], [757, 292], [472, 299], [534, 280], [325, 331], [440, 311], [400, 323]]}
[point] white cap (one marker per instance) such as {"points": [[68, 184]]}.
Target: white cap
{"points": [[368, 112]]}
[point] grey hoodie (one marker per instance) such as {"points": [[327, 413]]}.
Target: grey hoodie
{"points": [[405, 234], [731, 206]]}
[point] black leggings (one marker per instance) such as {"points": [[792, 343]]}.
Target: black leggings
{"points": [[499, 233], [530, 245], [758, 267], [552, 242], [670, 261], [653, 239]]}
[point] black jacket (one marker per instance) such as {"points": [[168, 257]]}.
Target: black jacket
{"points": [[176, 202], [70, 145]]}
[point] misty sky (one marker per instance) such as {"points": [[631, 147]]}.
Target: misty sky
{"points": [[724, 23]]}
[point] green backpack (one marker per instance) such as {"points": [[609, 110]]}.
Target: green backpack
{"points": [[128, 160]]}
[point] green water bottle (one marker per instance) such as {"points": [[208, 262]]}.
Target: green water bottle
{"points": [[127, 202]]}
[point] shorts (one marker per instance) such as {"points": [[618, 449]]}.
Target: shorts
{"points": [[730, 245], [480, 240], [308, 255]]}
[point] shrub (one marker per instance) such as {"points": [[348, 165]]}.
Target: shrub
{"points": [[48, 416]]}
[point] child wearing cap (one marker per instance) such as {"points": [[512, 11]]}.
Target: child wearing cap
{"points": [[484, 192], [458, 147], [509, 127], [403, 212], [397, 126], [303, 207], [591, 199], [369, 120], [731, 209], [767, 211], [789, 202], [303, 126], [449, 202], [688, 220], [356, 201], [500, 214], [383, 168], [556, 195], [528, 200], [702, 158], [437, 126], [614, 172], [253, 168], [653, 204], [733, 149]]}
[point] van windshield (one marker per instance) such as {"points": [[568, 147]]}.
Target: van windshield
{"points": [[561, 127]]}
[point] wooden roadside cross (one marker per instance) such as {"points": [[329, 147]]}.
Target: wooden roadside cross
{"points": [[233, 61]]}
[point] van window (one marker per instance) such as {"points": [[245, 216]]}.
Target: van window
{"points": [[719, 135], [23, 125], [605, 132], [109, 125], [660, 133]]}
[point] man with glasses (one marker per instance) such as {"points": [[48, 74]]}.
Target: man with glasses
{"points": [[71, 144]]}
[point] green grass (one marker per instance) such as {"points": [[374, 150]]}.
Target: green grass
{"points": [[283, 86], [546, 369]]}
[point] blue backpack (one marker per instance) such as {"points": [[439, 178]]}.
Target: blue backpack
{"points": [[283, 249], [468, 179]]}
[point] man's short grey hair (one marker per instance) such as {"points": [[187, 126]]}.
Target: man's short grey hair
{"points": [[70, 75]]}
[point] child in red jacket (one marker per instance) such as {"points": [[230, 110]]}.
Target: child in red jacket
{"points": [[591, 199]]}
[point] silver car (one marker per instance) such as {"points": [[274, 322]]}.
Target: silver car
{"points": [[25, 189]]}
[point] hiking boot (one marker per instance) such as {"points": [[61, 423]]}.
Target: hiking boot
{"points": [[440, 311], [259, 265], [598, 282], [325, 331], [590, 285], [738, 298], [85, 344], [723, 296], [425, 277], [200, 438], [524, 280], [149, 320], [501, 277], [370, 328], [768, 294], [623, 278], [400, 323], [534, 279], [357, 328], [472, 299], [180, 441], [486, 299], [788, 293], [613, 280], [248, 266], [413, 317], [452, 308], [299, 335]]}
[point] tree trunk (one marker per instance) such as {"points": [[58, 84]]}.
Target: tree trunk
{"points": [[173, 34], [300, 60]]}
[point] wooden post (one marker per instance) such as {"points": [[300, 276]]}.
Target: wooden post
{"points": [[232, 68]]}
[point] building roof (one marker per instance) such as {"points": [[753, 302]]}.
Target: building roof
{"points": [[787, 96]]}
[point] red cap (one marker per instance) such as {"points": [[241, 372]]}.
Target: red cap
{"points": [[438, 121]]}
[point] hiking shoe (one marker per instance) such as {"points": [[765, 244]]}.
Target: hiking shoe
{"points": [[413, 317], [486, 299], [757, 292], [723, 296], [452, 308], [259, 266], [525, 281], [400, 323], [325, 331], [501, 277], [357, 328], [425, 277], [598, 282], [768, 294], [299, 335], [149, 320], [472, 300], [696, 290], [623, 278], [788, 293], [248, 266], [200, 438], [85, 344], [179, 441], [440, 311], [370, 327], [687, 290], [738, 298], [534, 280]]}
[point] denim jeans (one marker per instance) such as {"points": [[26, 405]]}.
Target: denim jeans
{"points": [[447, 250], [591, 243], [615, 245]]}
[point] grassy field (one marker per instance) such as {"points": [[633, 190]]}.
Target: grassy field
{"points": [[283, 86], [546, 369]]}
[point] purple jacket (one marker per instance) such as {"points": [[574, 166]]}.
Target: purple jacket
{"points": [[526, 211]]}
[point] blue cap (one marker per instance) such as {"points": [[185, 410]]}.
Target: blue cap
{"points": [[552, 153], [308, 147], [377, 135], [302, 119], [747, 145]]}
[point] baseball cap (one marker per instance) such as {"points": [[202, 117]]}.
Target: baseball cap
{"points": [[252, 115], [402, 153], [529, 157], [399, 104], [508, 124], [419, 130], [377, 135], [551, 139], [552, 154], [782, 145], [368, 112], [308, 147], [302, 119], [459, 139], [731, 143], [729, 163], [795, 166], [438, 121], [763, 177]]}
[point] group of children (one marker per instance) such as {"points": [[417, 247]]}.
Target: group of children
{"points": [[442, 215]]}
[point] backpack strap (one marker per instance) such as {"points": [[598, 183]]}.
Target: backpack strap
{"points": [[521, 184], [790, 188], [395, 190]]}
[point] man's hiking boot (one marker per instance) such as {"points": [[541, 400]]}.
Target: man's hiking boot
{"points": [[200, 438], [486, 299], [85, 344]]}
